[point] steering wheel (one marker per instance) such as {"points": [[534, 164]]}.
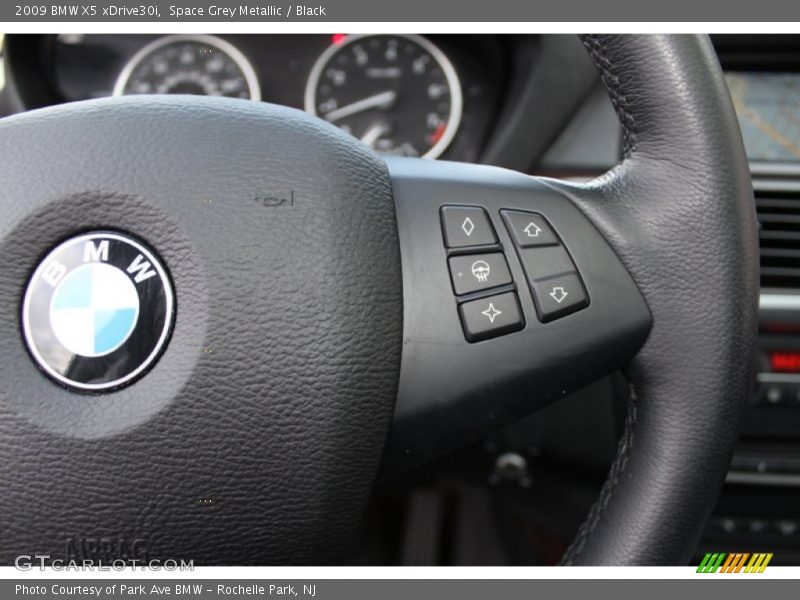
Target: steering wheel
{"points": [[309, 300]]}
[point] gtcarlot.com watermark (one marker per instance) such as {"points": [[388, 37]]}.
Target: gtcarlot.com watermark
{"points": [[42, 562]]}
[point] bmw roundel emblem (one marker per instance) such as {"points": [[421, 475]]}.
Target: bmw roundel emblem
{"points": [[98, 311]]}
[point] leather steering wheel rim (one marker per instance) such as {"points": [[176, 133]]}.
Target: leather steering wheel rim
{"points": [[679, 211]]}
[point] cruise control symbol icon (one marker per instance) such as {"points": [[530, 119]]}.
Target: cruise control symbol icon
{"points": [[98, 311], [480, 270]]}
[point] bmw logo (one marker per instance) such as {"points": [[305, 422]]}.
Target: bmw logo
{"points": [[98, 311]]}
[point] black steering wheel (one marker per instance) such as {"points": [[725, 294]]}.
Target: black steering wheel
{"points": [[327, 300]]}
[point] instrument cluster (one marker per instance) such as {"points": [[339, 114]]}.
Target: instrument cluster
{"points": [[401, 94]]}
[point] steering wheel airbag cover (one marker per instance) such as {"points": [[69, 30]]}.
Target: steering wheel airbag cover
{"points": [[256, 437]]}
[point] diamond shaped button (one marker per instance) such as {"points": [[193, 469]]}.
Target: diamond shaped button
{"points": [[467, 226]]}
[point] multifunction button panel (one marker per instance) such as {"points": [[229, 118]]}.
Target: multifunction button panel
{"points": [[482, 281]]}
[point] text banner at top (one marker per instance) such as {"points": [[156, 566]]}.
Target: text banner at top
{"points": [[465, 11]]}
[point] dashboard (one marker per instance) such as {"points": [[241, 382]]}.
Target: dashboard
{"points": [[504, 100], [400, 94], [440, 96]]}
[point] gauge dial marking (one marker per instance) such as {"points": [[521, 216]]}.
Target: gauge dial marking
{"points": [[399, 94], [189, 64]]}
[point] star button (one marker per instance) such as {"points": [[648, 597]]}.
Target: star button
{"points": [[491, 312]]}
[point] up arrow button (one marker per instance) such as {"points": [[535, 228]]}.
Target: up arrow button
{"points": [[532, 230], [529, 229]]}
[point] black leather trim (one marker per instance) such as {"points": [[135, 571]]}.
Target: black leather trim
{"points": [[679, 211]]}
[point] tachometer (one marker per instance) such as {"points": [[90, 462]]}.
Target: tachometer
{"points": [[189, 64], [399, 94]]}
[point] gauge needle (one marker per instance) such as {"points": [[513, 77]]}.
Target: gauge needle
{"points": [[372, 134], [376, 101]]}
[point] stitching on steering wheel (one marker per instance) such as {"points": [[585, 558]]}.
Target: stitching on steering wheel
{"points": [[596, 48], [614, 476]]}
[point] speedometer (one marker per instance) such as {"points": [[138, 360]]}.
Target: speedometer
{"points": [[189, 64], [399, 94]]}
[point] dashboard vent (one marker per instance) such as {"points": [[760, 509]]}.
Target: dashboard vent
{"points": [[779, 237]]}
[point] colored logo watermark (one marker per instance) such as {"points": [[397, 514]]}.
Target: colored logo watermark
{"points": [[735, 562]]}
